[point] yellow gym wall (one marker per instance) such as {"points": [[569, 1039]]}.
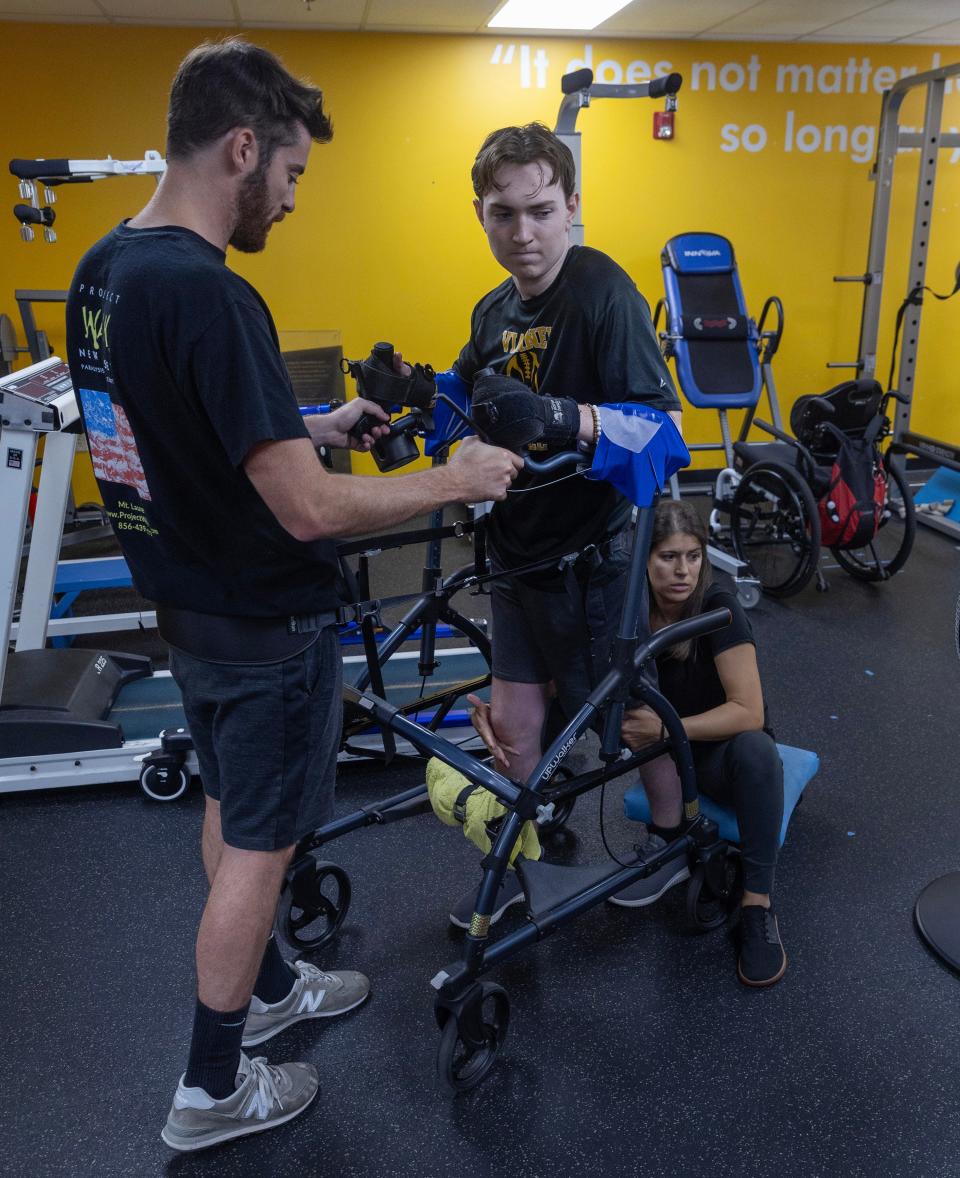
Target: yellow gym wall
{"points": [[385, 244]]}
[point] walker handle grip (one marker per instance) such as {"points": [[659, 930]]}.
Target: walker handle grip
{"points": [[555, 462], [668, 85], [39, 169], [714, 619]]}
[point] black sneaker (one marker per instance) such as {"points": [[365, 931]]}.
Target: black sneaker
{"points": [[762, 958], [511, 892]]}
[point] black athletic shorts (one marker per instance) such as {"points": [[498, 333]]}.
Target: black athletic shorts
{"points": [[562, 628], [267, 737]]}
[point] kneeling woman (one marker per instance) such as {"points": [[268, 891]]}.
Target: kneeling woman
{"points": [[714, 684]]}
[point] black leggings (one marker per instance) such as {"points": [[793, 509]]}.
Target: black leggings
{"points": [[745, 772]]}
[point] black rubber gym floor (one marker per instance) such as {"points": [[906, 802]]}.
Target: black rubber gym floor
{"points": [[632, 1047]]}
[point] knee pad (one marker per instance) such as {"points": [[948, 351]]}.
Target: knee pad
{"points": [[458, 802]]}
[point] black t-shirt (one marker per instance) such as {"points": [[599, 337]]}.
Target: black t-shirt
{"points": [[589, 337], [693, 684], [178, 371]]}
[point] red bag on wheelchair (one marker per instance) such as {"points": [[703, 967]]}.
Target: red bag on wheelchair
{"points": [[851, 508]]}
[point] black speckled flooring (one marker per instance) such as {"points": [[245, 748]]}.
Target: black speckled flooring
{"points": [[632, 1048]]}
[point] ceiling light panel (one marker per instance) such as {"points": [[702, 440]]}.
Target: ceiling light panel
{"points": [[555, 15]]}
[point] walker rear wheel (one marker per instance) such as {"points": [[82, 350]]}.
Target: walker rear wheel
{"points": [[713, 892], [471, 1040], [313, 904]]}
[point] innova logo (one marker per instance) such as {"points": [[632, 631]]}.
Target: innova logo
{"points": [[715, 324], [701, 253]]}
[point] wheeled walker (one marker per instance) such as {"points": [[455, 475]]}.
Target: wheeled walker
{"points": [[473, 1014]]}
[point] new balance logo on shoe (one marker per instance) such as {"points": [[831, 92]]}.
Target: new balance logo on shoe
{"points": [[311, 1002], [315, 994]]}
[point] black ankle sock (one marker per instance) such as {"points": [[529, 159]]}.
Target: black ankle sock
{"points": [[215, 1050], [275, 979], [667, 833]]}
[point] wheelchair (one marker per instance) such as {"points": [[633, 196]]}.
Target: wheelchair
{"points": [[820, 423], [765, 502]]}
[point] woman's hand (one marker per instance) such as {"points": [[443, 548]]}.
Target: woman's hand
{"points": [[480, 719], [640, 728]]}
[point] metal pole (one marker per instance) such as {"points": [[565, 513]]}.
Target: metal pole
{"points": [[918, 251], [52, 495], [18, 452]]}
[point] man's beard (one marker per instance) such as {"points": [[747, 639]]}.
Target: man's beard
{"points": [[253, 215]]}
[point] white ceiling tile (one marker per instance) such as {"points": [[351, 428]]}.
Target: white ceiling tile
{"points": [[32, 18], [660, 18], [789, 18], [896, 18], [171, 11], [945, 34], [832, 38], [430, 15], [821, 21], [722, 35], [179, 22], [924, 12], [322, 14], [28, 10]]}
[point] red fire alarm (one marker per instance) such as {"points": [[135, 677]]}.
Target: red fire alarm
{"points": [[663, 124]]}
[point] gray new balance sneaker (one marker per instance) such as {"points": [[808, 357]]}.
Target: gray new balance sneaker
{"points": [[315, 994], [645, 891], [266, 1095]]}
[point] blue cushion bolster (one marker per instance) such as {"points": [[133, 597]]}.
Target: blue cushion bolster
{"points": [[799, 767]]}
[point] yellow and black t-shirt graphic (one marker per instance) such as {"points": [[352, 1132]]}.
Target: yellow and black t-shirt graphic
{"points": [[524, 350]]}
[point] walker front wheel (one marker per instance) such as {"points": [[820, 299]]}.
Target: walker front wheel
{"points": [[471, 1040]]}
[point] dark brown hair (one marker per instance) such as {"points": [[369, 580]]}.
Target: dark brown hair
{"points": [[231, 83], [531, 144], [672, 516]]}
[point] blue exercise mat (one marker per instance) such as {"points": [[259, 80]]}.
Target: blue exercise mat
{"points": [[942, 485]]}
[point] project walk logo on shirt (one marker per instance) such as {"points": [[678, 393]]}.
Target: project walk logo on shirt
{"points": [[113, 450], [524, 349], [96, 325]]}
